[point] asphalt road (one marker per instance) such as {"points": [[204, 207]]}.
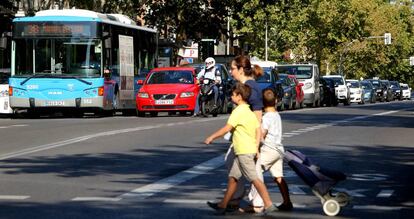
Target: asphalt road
{"points": [[129, 167]]}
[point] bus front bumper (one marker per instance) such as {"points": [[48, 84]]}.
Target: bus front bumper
{"points": [[26, 103]]}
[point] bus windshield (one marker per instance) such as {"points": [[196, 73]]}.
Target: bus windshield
{"points": [[301, 72], [75, 57]]}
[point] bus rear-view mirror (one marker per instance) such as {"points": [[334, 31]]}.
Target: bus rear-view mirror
{"points": [[140, 82]]}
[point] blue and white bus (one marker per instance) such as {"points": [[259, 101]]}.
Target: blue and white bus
{"points": [[77, 59]]}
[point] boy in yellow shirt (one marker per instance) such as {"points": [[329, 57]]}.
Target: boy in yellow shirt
{"points": [[246, 138]]}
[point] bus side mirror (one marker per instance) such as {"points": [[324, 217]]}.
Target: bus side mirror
{"points": [[3, 42], [140, 82], [3, 39]]}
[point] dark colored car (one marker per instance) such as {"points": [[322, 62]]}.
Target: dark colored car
{"points": [[379, 89], [270, 80], [289, 89], [225, 87], [387, 90], [327, 92], [396, 90], [369, 92]]}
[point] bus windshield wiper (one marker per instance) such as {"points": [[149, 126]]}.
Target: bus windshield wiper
{"points": [[33, 76], [79, 79], [54, 76], [71, 77]]}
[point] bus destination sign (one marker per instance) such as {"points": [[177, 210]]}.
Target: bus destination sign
{"points": [[54, 29]]}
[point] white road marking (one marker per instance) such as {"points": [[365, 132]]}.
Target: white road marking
{"points": [[377, 207], [84, 199], [296, 190], [20, 125], [385, 193], [13, 197], [166, 183], [11, 126], [201, 201]]}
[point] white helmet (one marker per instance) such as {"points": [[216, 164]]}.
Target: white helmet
{"points": [[210, 62]]}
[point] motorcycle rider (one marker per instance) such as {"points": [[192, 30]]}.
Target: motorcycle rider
{"points": [[212, 73]]}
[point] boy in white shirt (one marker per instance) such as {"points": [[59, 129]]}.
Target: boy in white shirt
{"points": [[271, 153]]}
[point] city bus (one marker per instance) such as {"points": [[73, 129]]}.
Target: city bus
{"points": [[5, 47], [75, 60]]}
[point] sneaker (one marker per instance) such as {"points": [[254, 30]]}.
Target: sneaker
{"points": [[267, 210], [285, 207], [219, 211]]}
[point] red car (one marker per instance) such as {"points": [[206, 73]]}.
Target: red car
{"points": [[300, 96], [169, 89]]}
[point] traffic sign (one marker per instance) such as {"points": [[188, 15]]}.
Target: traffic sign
{"points": [[387, 38]]}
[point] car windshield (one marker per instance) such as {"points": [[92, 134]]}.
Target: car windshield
{"points": [[171, 77], [404, 87], [366, 85], [376, 84], [394, 84], [337, 81], [354, 84], [301, 72], [266, 77]]}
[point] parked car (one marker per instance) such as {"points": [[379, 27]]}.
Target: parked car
{"points": [[356, 91], [387, 90], [308, 75], [341, 90], [327, 88], [289, 89], [224, 88], [406, 91], [396, 90], [379, 89], [300, 95], [369, 92], [270, 80], [169, 89]]}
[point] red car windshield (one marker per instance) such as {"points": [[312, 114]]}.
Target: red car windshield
{"points": [[171, 77]]}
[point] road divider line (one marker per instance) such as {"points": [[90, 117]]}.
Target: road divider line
{"points": [[385, 193], [201, 201], [13, 197], [86, 199], [377, 207], [96, 135]]}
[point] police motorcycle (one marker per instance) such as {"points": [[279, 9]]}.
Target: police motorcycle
{"points": [[207, 98]]}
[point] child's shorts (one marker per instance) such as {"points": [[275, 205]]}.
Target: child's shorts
{"points": [[244, 165], [272, 160]]}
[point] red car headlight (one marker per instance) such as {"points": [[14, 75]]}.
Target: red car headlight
{"points": [[143, 95], [187, 94]]}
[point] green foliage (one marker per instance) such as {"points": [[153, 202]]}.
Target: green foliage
{"points": [[194, 19], [326, 30]]}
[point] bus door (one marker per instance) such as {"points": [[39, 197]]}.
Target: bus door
{"points": [[126, 71]]}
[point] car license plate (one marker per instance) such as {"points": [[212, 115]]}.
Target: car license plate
{"points": [[164, 102], [55, 103]]}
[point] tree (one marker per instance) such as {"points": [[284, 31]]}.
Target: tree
{"points": [[189, 20]]}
